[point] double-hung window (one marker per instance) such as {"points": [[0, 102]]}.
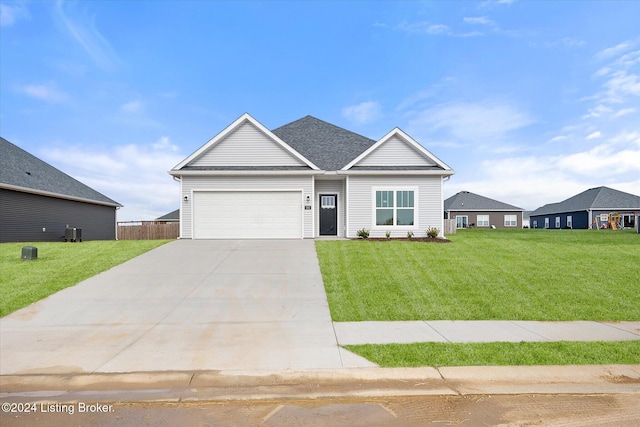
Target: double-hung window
{"points": [[482, 220], [395, 207], [510, 221]]}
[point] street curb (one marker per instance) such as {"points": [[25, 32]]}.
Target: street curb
{"points": [[312, 384]]}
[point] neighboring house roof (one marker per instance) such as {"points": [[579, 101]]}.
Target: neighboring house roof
{"points": [[328, 146], [171, 216], [467, 201], [598, 198], [21, 171]]}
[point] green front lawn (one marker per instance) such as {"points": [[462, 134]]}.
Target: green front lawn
{"points": [[59, 265], [486, 274]]}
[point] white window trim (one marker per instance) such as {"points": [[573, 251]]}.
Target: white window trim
{"points": [[570, 221], [323, 206], [483, 225], [546, 223], [558, 222], [416, 204], [461, 216], [510, 225]]}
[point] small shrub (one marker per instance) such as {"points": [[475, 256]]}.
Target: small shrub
{"points": [[433, 232], [388, 234], [409, 234], [363, 233]]}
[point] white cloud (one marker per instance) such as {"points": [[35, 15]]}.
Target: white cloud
{"points": [[134, 175], [594, 135], [479, 20], [164, 144], [10, 14], [48, 92], [364, 112], [82, 29], [614, 51], [472, 121], [624, 112], [132, 107], [424, 27], [557, 139]]}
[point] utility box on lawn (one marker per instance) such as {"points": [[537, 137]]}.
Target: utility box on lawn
{"points": [[29, 253]]}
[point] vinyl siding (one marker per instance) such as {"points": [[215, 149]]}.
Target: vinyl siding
{"points": [[579, 220], [360, 204], [331, 187], [265, 183], [395, 152], [247, 146], [495, 218], [24, 215]]}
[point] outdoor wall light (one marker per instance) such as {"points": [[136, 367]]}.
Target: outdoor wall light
{"points": [[186, 198]]}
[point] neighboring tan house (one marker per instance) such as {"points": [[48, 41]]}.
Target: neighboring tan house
{"points": [[589, 208], [473, 210], [307, 179], [38, 202]]}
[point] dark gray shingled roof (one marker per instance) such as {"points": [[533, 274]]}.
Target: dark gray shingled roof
{"points": [[21, 169], [597, 198], [327, 146], [173, 215], [465, 200]]}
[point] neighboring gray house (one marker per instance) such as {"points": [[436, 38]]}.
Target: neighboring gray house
{"points": [[585, 209], [173, 216], [38, 201], [472, 210], [307, 179]]}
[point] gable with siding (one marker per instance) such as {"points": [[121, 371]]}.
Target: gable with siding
{"points": [[246, 146], [395, 152]]}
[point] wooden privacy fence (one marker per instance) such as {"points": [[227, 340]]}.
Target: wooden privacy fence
{"points": [[148, 230], [449, 226]]}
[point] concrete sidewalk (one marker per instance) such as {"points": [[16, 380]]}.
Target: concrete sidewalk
{"points": [[460, 331]]}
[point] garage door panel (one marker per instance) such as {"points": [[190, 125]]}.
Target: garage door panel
{"points": [[247, 214]]}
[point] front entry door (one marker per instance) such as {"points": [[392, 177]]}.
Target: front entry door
{"points": [[328, 214]]}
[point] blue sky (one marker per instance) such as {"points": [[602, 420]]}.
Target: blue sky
{"points": [[530, 102]]}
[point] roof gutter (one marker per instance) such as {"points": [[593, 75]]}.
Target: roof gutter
{"points": [[181, 173], [59, 196], [397, 172]]}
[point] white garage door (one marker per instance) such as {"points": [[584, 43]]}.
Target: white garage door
{"points": [[247, 214]]}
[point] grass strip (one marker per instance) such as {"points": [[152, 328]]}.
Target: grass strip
{"points": [[500, 354], [59, 265]]}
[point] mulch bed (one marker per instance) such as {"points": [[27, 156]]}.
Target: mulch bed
{"points": [[413, 239]]}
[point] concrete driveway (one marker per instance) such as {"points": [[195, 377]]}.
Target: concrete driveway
{"points": [[187, 305]]}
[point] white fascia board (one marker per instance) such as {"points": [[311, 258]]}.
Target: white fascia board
{"points": [[179, 173], [397, 172], [229, 129], [406, 138], [58, 195], [485, 210]]}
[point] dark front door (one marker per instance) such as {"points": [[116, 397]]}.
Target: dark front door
{"points": [[328, 214]]}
